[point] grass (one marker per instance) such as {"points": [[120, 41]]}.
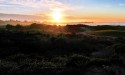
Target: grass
{"points": [[113, 33]]}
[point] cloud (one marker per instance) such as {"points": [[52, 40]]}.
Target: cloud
{"points": [[21, 17], [121, 4], [3, 5], [35, 3], [39, 8]]}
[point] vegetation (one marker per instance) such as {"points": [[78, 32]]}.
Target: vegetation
{"points": [[58, 50], [114, 33]]}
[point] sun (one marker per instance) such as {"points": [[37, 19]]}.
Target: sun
{"points": [[57, 15]]}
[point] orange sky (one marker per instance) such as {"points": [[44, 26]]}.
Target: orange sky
{"points": [[63, 10]]}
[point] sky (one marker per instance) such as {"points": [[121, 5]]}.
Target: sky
{"points": [[64, 10]]}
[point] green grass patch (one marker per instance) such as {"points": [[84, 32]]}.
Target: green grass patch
{"points": [[114, 33]]}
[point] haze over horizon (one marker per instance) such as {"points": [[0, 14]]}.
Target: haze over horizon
{"points": [[63, 10]]}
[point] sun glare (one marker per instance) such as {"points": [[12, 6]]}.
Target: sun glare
{"points": [[57, 15]]}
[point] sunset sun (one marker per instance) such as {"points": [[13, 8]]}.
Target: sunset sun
{"points": [[57, 15]]}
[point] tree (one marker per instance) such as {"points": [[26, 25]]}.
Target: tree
{"points": [[18, 26], [9, 26]]}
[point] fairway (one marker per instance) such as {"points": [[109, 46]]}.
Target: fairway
{"points": [[113, 33]]}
